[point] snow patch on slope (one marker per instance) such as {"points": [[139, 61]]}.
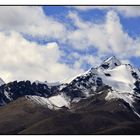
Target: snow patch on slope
{"points": [[120, 78], [40, 100], [59, 101], [54, 102], [127, 97], [7, 95]]}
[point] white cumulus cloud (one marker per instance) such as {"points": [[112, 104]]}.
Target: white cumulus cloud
{"points": [[25, 60], [30, 20], [108, 37]]}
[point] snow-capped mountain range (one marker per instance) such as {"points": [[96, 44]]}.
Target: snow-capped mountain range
{"points": [[120, 81]]}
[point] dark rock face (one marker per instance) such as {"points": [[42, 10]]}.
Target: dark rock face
{"points": [[137, 86], [82, 84], [99, 81], [107, 74], [105, 66], [134, 74], [16, 89]]}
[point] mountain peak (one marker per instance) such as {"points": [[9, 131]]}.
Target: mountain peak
{"points": [[111, 58], [111, 63]]}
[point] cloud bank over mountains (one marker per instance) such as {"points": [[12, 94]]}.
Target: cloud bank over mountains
{"points": [[68, 45]]}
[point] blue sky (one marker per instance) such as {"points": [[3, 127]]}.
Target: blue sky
{"points": [[54, 43], [131, 25]]}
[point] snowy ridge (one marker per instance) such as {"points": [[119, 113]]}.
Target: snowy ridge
{"points": [[67, 81], [120, 77], [112, 73], [1, 82]]}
